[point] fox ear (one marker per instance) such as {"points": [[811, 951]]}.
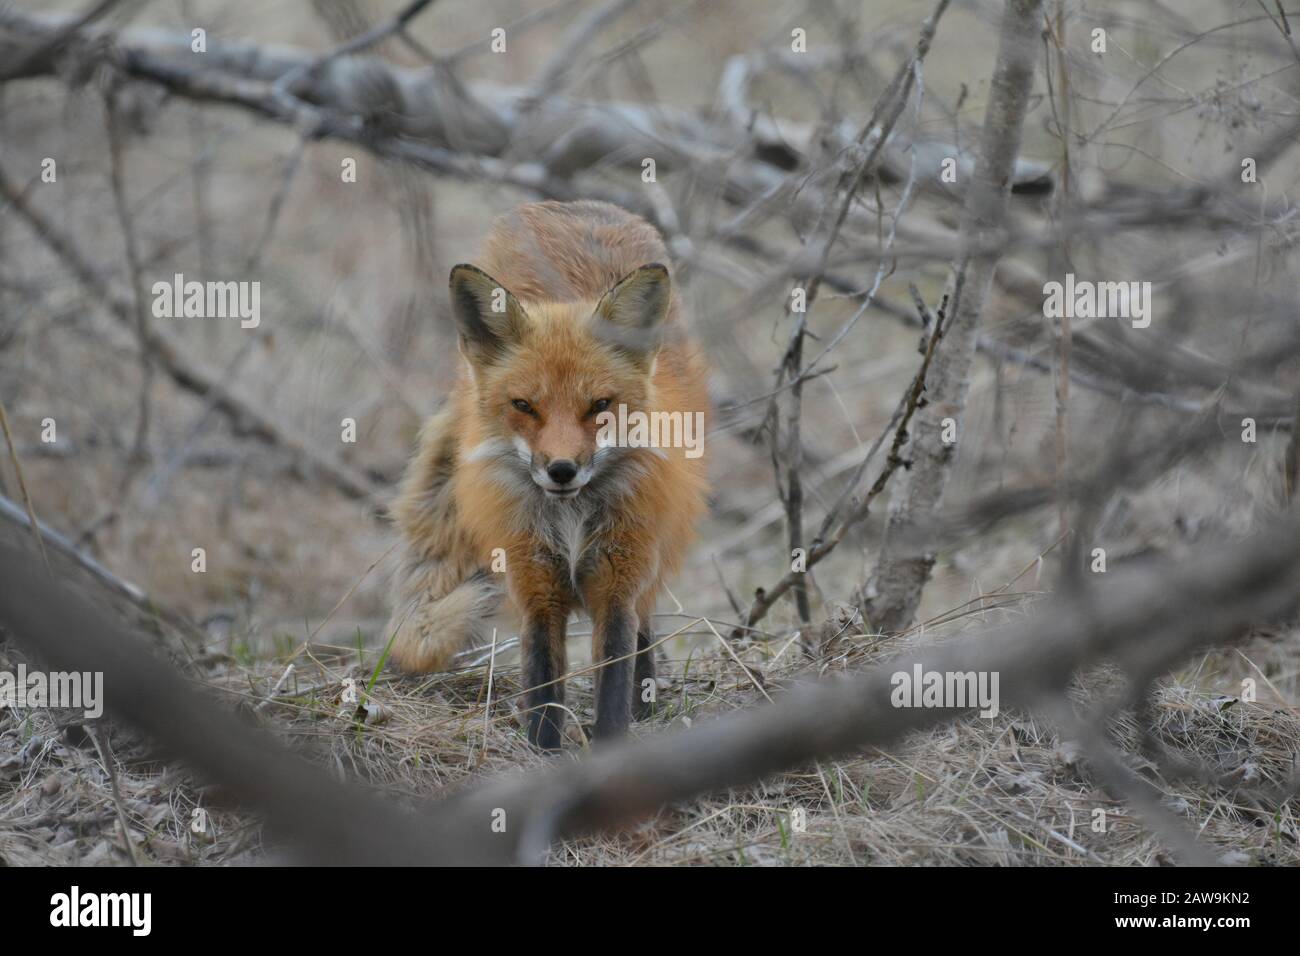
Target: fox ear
{"points": [[489, 318], [630, 316]]}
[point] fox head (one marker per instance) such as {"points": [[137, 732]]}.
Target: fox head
{"points": [[544, 376]]}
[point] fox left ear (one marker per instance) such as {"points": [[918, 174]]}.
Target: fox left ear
{"points": [[630, 316], [489, 317]]}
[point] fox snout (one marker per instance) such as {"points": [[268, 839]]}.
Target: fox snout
{"points": [[561, 477], [562, 471]]}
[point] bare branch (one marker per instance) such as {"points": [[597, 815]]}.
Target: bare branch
{"points": [[896, 584]]}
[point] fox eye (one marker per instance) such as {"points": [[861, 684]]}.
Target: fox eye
{"points": [[599, 405], [523, 406]]}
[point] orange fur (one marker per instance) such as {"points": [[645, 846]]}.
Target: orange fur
{"points": [[471, 486]]}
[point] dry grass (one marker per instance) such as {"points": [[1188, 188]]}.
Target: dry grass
{"points": [[1007, 791]]}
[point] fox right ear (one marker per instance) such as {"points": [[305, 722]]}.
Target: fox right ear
{"points": [[630, 316], [489, 318]]}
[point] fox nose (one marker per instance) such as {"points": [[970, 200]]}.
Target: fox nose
{"points": [[562, 471]]}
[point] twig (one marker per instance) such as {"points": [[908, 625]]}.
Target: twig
{"points": [[912, 399], [33, 525], [283, 87], [99, 734], [139, 451], [566, 52], [275, 691]]}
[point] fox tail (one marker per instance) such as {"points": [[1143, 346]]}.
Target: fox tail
{"points": [[432, 624]]}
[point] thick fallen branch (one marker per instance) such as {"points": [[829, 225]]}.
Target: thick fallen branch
{"points": [[180, 638], [426, 115], [1134, 618]]}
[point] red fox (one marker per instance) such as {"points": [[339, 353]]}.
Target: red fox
{"points": [[571, 319]]}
